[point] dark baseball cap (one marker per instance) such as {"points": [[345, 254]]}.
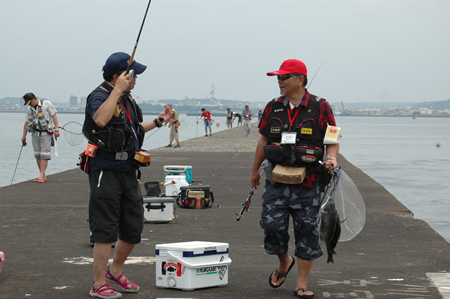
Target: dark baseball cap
{"points": [[118, 62]]}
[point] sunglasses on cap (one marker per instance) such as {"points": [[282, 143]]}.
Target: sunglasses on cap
{"points": [[287, 76]]}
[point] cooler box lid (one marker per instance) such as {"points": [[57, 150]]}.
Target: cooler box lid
{"points": [[176, 168], [195, 248], [158, 199], [196, 187]]}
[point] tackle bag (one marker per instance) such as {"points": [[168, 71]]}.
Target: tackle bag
{"points": [[195, 197]]}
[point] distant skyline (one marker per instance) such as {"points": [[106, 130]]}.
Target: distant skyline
{"points": [[372, 50]]}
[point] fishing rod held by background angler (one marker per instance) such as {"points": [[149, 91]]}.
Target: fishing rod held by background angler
{"points": [[17, 164]]}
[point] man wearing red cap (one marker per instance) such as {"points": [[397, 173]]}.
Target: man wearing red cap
{"points": [[292, 129]]}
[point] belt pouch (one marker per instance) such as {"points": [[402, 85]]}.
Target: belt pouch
{"points": [[288, 174], [274, 153], [308, 155]]}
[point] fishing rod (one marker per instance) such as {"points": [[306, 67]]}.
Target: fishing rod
{"points": [[309, 85], [247, 202], [130, 62], [16, 164]]}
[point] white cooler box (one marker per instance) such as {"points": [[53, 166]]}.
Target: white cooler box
{"points": [[159, 209], [192, 265], [173, 183]]}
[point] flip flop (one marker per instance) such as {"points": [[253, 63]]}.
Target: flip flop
{"points": [[282, 275], [303, 296], [36, 180]]}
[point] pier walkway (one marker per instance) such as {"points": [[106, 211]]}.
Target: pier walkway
{"points": [[44, 234]]}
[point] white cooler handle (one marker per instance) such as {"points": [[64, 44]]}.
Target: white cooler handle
{"points": [[189, 265]]}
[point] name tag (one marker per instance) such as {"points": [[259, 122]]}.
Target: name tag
{"points": [[288, 138]]}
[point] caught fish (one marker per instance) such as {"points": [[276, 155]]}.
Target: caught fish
{"points": [[330, 227]]}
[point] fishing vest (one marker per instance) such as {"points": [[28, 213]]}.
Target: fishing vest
{"points": [[308, 148], [116, 136], [41, 124]]}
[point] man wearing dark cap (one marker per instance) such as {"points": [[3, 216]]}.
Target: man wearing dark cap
{"points": [[42, 123], [115, 129], [292, 129]]}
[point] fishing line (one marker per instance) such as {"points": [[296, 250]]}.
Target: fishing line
{"points": [[309, 85]]}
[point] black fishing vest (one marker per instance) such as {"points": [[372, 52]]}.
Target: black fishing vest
{"points": [[308, 148], [116, 136]]}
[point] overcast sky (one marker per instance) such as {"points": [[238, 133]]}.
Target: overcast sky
{"points": [[372, 50]]}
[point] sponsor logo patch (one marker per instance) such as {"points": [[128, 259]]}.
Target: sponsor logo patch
{"points": [[306, 131], [275, 130]]}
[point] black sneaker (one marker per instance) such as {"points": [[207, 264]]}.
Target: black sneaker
{"points": [[177, 146], [206, 135], [170, 145], [210, 135]]}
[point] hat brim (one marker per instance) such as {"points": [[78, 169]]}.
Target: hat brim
{"points": [[138, 68], [278, 73]]}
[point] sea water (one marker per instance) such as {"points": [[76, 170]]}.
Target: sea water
{"points": [[409, 157]]}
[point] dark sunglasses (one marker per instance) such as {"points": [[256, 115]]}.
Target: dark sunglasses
{"points": [[287, 76]]}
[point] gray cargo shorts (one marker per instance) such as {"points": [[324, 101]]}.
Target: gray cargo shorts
{"points": [[303, 205]]}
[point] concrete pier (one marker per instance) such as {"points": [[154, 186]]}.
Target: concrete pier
{"points": [[44, 234]]}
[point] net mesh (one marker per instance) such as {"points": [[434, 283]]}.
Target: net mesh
{"points": [[73, 133], [350, 206]]}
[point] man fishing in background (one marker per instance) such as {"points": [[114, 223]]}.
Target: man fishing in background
{"points": [[41, 121], [173, 125], [208, 119], [292, 130], [115, 129], [247, 113]]}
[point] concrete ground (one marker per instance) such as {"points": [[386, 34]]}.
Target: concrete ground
{"points": [[44, 234]]}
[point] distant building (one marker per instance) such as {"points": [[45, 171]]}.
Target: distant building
{"points": [[83, 102], [73, 101]]}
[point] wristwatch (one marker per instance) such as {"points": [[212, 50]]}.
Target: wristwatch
{"points": [[156, 123], [56, 130]]}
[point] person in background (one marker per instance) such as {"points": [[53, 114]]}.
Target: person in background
{"points": [[306, 116], [239, 118], [229, 119], [259, 115], [173, 125], [247, 113], [41, 121], [208, 120], [115, 130]]}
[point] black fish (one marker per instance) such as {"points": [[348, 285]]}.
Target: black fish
{"points": [[330, 227]]}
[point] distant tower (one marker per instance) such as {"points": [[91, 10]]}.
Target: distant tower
{"points": [[212, 94]]}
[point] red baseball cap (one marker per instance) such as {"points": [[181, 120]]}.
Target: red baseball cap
{"points": [[290, 66]]}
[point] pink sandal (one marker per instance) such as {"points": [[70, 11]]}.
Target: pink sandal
{"points": [[105, 291], [125, 286]]}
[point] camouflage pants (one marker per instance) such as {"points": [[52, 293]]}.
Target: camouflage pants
{"points": [[303, 205]]}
